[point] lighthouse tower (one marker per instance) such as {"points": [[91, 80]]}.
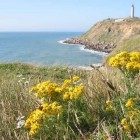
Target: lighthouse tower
{"points": [[132, 11]]}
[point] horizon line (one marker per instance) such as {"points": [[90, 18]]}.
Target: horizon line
{"points": [[41, 31]]}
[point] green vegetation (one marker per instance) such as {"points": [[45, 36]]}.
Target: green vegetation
{"points": [[132, 44], [15, 99], [100, 112]]}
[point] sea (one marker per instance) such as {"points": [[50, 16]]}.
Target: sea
{"points": [[46, 49]]}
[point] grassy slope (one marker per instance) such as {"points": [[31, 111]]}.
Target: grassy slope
{"points": [[15, 99], [130, 44]]}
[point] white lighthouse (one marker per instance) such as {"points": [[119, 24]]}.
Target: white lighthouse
{"points": [[132, 11]]}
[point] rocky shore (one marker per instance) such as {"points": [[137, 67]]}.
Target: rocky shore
{"points": [[102, 47]]}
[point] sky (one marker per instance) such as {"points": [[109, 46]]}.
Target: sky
{"points": [[60, 15]]}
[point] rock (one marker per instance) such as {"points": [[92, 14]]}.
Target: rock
{"points": [[100, 46]]}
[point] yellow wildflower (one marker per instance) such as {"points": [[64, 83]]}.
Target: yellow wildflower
{"points": [[51, 109], [114, 62], [34, 129], [58, 89], [133, 66], [70, 89], [123, 121], [73, 93], [33, 123], [135, 56], [125, 124], [75, 78], [126, 61], [109, 105], [67, 82], [130, 103], [34, 117], [123, 54], [66, 96], [120, 60], [45, 89]]}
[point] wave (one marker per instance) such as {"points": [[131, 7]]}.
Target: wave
{"points": [[82, 48], [84, 68], [88, 67], [62, 42]]}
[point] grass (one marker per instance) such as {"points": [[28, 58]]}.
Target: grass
{"points": [[100, 85], [132, 44], [15, 100]]}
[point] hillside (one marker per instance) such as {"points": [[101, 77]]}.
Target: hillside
{"points": [[112, 35], [101, 104], [125, 34]]}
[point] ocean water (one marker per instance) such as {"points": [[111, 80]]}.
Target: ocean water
{"points": [[45, 48]]}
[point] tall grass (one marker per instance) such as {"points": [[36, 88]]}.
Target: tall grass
{"points": [[101, 85], [15, 99]]}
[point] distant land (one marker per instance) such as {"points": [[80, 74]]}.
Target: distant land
{"points": [[111, 36]]}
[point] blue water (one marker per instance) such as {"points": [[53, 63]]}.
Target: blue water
{"points": [[44, 49]]}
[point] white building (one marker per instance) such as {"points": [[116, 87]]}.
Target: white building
{"points": [[132, 11]]}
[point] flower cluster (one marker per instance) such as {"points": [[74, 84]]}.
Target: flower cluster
{"points": [[130, 103], [126, 61], [109, 105], [54, 97], [73, 93], [45, 89], [131, 121], [33, 122], [70, 89], [36, 118], [126, 125], [51, 109]]}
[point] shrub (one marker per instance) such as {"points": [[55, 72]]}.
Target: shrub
{"points": [[129, 107], [62, 112]]}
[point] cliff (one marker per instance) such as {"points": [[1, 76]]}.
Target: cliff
{"points": [[123, 33], [112, 35]]}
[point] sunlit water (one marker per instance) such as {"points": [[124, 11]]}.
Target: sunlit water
{"points": [[45, 48]]}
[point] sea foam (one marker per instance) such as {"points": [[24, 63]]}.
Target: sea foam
{"points": [[82, 48]]}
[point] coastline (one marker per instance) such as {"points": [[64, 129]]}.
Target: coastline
{"points": [[98, 47], [83, 48]]}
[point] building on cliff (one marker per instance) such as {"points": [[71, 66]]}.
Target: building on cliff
{"points": [[132, 11]]}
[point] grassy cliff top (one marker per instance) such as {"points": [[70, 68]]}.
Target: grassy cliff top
{"points": [[124, 33]]}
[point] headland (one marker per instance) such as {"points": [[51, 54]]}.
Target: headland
{"points": [[111, 35]]}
